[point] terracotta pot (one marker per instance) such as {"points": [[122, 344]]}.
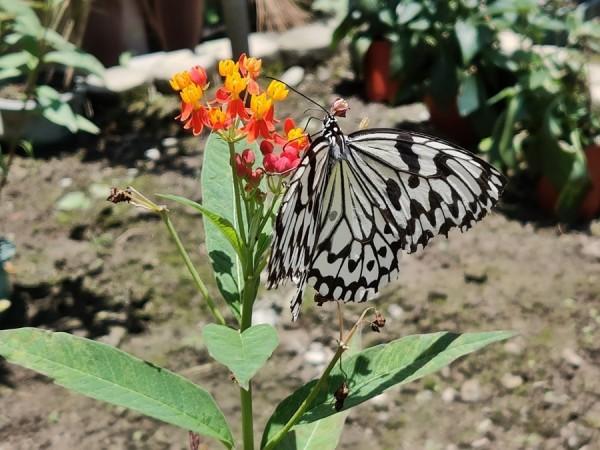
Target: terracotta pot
{"points": [[379, 85], [115, 27], [180, 26], [547, 194], [446, 118]]}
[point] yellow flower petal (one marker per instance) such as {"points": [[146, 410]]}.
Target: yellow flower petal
{"points": [[277, 90]]}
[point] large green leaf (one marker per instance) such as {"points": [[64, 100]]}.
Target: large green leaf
{"points": [[242, 353], [77, 59], [218, 196], [372, 371], [106, 373]]}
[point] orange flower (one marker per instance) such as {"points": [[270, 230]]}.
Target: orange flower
{"points": [[277, 91], [217, 119], [294, 138], [180, 80], [194, 118], [260, 105], [235, 84], [191, 94], [199, 76], [250, 66], [227, 67]]}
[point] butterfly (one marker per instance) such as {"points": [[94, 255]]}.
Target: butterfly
{"points": [[357, 201]]}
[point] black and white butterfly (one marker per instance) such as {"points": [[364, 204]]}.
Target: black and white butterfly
{"points": [[357, 201]]}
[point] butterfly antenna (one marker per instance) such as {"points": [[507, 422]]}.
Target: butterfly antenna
{"points": [[300, 94]]}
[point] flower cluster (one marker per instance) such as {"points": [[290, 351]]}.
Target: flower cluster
{"points": [[239, 110]]}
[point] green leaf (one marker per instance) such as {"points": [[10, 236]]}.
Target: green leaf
{"points": [[83, 124], [77, 59], [376, 369], [419, 25], [342, 30], [14, 60], [109, 374], [9, 73], [468, 95], [73, 201], [218, 196], [468, 39], [407, 12], [22, 12], [505, 149], [223, 225], [55, 109], [242, 353], [323, 434]]}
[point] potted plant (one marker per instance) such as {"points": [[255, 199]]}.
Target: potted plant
{"points": [[547, 126], [36, 62], [444, 52], [372, 31]]}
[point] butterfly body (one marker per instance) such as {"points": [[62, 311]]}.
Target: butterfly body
{"points": [[357, 201]]}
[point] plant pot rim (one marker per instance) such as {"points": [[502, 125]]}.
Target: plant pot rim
{"points": [[12, 104]]}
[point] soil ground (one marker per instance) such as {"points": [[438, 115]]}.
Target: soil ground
{"points": [[111, 273]]}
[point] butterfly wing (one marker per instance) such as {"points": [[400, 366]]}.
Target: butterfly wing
{"points": [[394, 192], [297, 219]]}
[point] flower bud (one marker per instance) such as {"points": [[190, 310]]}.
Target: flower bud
{"points": [[266, 147], [248, 157]]}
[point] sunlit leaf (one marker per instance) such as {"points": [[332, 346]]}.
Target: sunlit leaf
{"points": [[106, 373], [243, 353]]}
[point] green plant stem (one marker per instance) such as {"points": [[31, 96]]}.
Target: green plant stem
{"points": [[343, 346], [191, 268], [307, 401], [248, 295]]}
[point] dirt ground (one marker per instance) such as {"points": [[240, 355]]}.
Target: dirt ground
{"points": [[111, 273]]}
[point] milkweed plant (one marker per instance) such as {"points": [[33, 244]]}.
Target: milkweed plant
{"points": [[248, 157]]}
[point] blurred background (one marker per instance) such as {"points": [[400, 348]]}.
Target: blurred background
{"points": [[85, 104]]}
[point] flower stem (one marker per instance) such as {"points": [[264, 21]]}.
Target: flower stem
{"points": [[191, 268], [343, 346]]}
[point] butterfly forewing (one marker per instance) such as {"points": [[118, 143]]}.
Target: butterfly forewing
{"points": [[349, 212], [430, 186], [297, 221]]}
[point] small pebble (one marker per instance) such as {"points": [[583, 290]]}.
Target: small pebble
{"points": [[293, 76], [571, 357], [424, 396], [153, 154], [316, 354], [470, 391], [169, 142], [65, 182], [510, 381], [481, 443], [484, 426], [395, 311], [448, 395]]}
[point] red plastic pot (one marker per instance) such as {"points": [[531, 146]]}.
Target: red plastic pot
{"points": [[547, 194], [379, 85], [446, 118]]}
